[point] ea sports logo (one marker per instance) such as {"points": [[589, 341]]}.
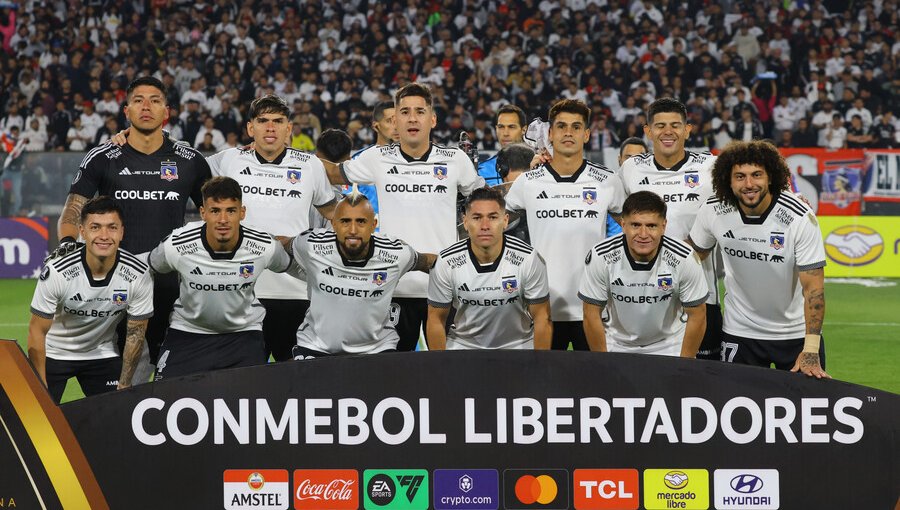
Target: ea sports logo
{"points": [[381, 489], [746, 484], [854, 245], [676, 480], [536, 489], [256, 481]]}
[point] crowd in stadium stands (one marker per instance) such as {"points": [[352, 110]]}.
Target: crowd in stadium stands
{"points": [[803, 73]]}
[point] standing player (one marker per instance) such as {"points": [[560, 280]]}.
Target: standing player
{"points": [[510, 126], [633, 146], [417, 183], [352, 274], [78, 301], [496, 283], [151, 177], [217, 321], [684, 180], [770, 242], [566, 202], [645, 279], [280, 186], [385, 134]]}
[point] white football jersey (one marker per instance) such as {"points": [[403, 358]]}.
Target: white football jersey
{"points": [[763, 255], [416, 198], [491, 301], [350, 301], [85, 311], [645, 300], [684, 187], [216, 294], [279, 196], [566, 216]]}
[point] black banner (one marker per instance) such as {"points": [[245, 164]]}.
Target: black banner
{"points": [[793, 442]]}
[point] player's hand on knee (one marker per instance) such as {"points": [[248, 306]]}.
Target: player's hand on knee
{"points": [[808, 363], [66, 246]]}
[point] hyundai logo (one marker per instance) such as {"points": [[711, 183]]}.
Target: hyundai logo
{"points": [[746, 484]]}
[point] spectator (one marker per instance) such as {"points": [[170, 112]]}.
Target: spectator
{"points": [[858, 136], [217, 139], [90, 120], [805, 135], [884, 132], [78, 138], [35, 137], [835, 134]]}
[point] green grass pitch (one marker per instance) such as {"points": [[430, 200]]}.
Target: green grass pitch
{"points": [[862, 330]]}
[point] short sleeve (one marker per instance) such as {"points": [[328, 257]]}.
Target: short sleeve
{"points": [[515, 198], [362, 169], [323, 193], [469, 180], [594, 288], [809, 249], [537, 290], [215, 163], [408, 260], [440, 285], [280, 261], [158, 259], [701, 233], [203, 174], [89, 177], [618, 194], [140, 303], [693, 290], [47, 294]]}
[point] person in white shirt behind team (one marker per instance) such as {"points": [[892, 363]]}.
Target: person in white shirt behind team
{"points": [[217, 320], [774, 261], [351, 273], [79, 300], [648, 282], [496, 282]]}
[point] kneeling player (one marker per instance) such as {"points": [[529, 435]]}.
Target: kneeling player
{"points": [[351, 274], [217, 322], [78, 301], [496, 282], [647, 279]]}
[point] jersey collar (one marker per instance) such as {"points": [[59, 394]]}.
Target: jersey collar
{"points": [[635, 266], [677, 167], [276, 161], [572, 178], [87, 270], [410, 159], [356, 263], [490, 268], [221, 255], [754, 220]]}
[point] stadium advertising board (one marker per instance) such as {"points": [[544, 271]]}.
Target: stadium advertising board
{"points": [[882, 183], [459, 430], [861, 246], [23, 246]]}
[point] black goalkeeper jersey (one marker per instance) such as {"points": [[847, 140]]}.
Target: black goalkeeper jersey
{"points": [[152, 188]]}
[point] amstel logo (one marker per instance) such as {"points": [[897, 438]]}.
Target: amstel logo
{"points": [[854, 245]]}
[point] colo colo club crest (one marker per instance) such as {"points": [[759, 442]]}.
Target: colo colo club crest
{"points": [[168, 170]]}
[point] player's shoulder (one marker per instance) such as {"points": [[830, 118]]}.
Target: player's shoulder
{"points": [[183, 150], [190, 232], [678, 248], [536, 173], [133, 261], [101, 154], [391, 150], [443, 151], [319, 235], [638, 162], [609, 244], [597, 172], [717, 207], [455, 248], [701, 157], [257, 235], [791, 203], [293, 156], [515, 244], [389, 243], [61, 264]]}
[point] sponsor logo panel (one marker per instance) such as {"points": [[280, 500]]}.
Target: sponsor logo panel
{"points": [[747, 489], [466, 489], [606, 489], [676, 488], [335, 489], [395, 489], [260, 488], [535, 488]]}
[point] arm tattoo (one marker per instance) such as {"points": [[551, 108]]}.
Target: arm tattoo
{"points": [[815, 304], [72, 210], [134, 342], [809, 361], [424, 262]]}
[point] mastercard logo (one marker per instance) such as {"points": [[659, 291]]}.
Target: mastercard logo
{"points": [[854, 245], [536, 489]]}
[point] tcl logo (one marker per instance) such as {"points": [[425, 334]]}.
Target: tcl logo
{"points": [[326, 488], [606, 489]]}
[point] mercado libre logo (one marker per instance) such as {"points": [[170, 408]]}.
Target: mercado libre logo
{"points": [[854, 245]]}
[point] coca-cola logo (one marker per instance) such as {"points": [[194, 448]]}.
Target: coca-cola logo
{"points": [[335, 490], [313, 487]]}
